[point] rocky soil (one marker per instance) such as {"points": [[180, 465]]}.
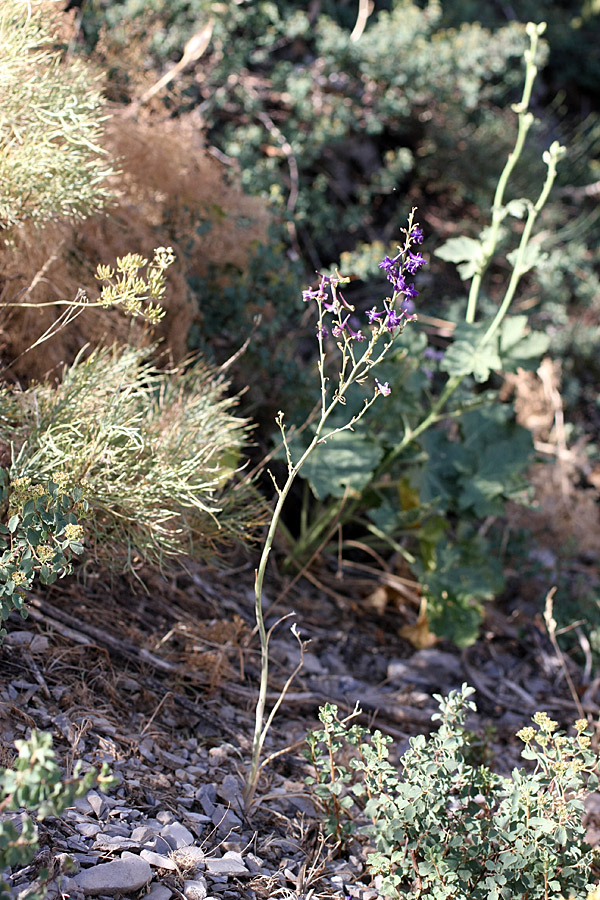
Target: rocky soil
{"points": [[160, 684]]}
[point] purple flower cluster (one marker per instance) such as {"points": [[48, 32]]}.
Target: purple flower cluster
{"points": [[395, 313]]}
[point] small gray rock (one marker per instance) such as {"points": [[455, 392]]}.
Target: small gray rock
{"points": [[121, 876], [177, 835], [195, 889], [225, 866], [157, 859], [159, 891]]}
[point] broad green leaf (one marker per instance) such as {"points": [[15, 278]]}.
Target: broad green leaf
{"points": [[345, 461], [531, 257], [13, 524], [459, 249], [465, 356]]}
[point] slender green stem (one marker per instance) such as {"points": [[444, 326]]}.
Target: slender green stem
{"points": [[498, 211]]}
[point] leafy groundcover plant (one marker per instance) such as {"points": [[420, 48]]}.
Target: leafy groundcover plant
{"points": [[35, 783], [446, 829]]}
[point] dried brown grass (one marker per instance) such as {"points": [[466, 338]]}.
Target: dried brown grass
{"points": [[172, 192], [566, 492]]}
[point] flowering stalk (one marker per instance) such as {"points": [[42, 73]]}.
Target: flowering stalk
{"points": [[487, 248], [335, 319]]}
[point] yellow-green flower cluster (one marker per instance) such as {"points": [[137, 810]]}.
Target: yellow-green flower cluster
{"points": [[62, 480], [44, 552], [74, 532], [544, 721], [136, 295], [21, 491]]}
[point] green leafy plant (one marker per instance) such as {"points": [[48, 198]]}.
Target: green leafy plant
{"points": [[41, 535], [35, 783], [443, 828], [51, 161], [446, 443], [157, 449]]}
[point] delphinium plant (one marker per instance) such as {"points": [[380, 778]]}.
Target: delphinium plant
{"points": [[461, 473], [443, 828], [360, 347]]}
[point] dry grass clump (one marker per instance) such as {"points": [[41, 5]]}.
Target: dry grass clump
{"points": [[171, 192], [157, 450]]}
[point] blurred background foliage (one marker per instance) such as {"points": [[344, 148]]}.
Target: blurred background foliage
{"points": [[293, 142]]}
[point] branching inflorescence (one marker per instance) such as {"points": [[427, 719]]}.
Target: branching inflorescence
{"points": [[361, 351]]}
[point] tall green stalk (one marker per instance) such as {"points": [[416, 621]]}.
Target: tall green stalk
{"points": [[354, 369], [343, 512]]}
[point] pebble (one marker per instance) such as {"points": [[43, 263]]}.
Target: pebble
{"points": [[121, 876], [177, 835], [158, 859], [225, 819], [206, 797], [159, 891], [227, 865], [195, 889]]}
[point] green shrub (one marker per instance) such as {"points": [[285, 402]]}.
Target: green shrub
{"points": [[35, 783], [443, 828], [41, 535], [51, 162], [156, 452]]}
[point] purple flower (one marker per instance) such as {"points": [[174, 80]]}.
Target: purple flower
{"points": [[344, 303], [338, 330], [383, 389], [414, 262], [387, 265], [355, 335], [400, 284], [323, 331], [393, 320], [410, 292], [372, 315], [417, 235], [310, 295], [390, 268]]}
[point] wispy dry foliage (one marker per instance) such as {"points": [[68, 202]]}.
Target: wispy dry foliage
{"points": [[171, 191]]}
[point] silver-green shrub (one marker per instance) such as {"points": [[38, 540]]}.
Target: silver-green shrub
{"points": [[156, 451], [35, 783], [444, 828], [51, 162]]}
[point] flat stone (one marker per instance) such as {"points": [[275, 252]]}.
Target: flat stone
{"points": [[121, 876], [225, 866], [195, 889], [157, 859], [96, 801], [35, 643], [141, 834], [225, 819], [206, 796], [88, 829], [108, 843], [231, 791], [177, 835], [159, 891]]}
